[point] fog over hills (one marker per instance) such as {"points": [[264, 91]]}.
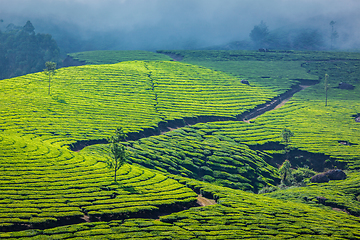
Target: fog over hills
{"points": [[186, 24]]}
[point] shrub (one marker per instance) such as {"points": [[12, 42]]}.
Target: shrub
{"points": [[208, 178], [300, 174]]}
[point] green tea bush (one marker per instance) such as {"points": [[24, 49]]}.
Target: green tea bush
{"points": [[229, 163], [44, 184], [42, 189]]}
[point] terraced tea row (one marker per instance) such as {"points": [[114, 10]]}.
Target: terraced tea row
{"points": [[330, 130], [88, 102], [44, 185], [274, 77], [110, 57], [184, 90], [195, 154], [341, 195], [238, 215]]}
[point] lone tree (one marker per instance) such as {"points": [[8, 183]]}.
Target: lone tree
{"points": [[259, 33], [117, 151], [284, 171], [50, 71], [326, 87], [334, 35], [286, 135]]}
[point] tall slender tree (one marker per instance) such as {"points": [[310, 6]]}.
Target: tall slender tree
{"points": [[326, 87], [50, 71], [286, 135], [117, 151]]}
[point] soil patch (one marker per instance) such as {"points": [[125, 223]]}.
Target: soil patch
{"points": [[202, 201]]}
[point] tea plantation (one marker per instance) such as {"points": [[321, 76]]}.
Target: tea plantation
{"points": [[108, 57], [186, 136]]}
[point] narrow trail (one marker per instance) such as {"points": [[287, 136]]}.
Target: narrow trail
{"points": [[166, 126], [277, 105]]}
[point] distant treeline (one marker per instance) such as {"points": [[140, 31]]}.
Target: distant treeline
{"points": [[283, 39], [22, 51]]}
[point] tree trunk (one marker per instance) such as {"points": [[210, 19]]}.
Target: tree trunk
{"points": [[49, 82], [326, 98]]}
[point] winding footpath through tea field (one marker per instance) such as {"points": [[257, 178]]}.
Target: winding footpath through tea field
{"points": [[171, 125]]}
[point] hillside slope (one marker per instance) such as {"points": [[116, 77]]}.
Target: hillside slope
{"points": [[48, 191]]}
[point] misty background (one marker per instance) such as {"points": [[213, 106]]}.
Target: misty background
{"points": [[83, 25]]}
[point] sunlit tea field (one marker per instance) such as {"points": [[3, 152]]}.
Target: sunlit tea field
{"points": [[190, 138]]}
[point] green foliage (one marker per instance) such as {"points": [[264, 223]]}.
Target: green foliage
{"points": [[135, 95], [43, 183], [117, 150], [340, 194], [190, 152], [237, 215], [302, 173], [284, 171], [317, 130], [286, 135], [22, 51]]}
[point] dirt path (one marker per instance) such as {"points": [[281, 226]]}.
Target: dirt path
{"points": [[277, 105], [170, 125], [202, 201]]}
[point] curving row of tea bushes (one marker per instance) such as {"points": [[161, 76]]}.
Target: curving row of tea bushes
{"points": [[273, 76], [195, 154], [44, 185], [330, 130], [110, 56], [88, 102], [237, 215], [343, 195], [184, 90]]}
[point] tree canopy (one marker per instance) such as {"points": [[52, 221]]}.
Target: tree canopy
{"points": [[117, 151], [22, 51], [259, 33]]}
